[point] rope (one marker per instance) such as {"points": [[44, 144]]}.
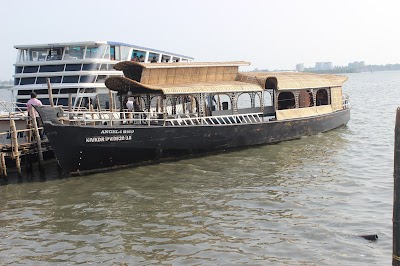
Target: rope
{"points": [[396, 257]]}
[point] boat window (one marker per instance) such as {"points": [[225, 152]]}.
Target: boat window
{"points": [[103, 67], [31, 69], [322, 97], [286, 100], [55, 54], [38, 54], [16, 81], [26, 81], [52, 68], [125, 52], [70, 79], [90, 66], [18, 69], [115, 53], [101, 79], [74, 52], [175, 59], [41, 80], [73, 67], [24, 92], [87, 79], [153, 57], [68, 91], [56, 79], [244, 101], [305, 99], [111, 67], [93, 52], [139, 55], [165, 58], [22, 55]]}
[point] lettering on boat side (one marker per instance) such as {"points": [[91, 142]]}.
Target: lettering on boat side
{"points": [[117, 131], [108, 138]]}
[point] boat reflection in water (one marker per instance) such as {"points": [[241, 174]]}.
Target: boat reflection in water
{"points": [[181, 109]]}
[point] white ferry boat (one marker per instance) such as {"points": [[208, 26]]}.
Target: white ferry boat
{"points": [[78, 69]]}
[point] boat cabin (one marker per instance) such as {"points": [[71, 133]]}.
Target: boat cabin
{"points": [[182, 93]]}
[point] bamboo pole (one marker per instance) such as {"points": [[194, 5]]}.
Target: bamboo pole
{"points": [[50, 92], [3, 165], [396, 193], [70, 102], [111, 100], [38, 140], [14, 142]]}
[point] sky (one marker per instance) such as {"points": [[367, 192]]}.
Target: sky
{"points": [[270, 34]]}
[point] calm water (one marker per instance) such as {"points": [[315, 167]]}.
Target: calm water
{"points": [[302, 202]]}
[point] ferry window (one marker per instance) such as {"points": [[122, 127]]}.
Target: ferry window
{"points": [[18, 69], [56, 79], [175, 59], [125, 52], [101, 79], [111, 67], [322, 97], [73, 67], [16, 81], [55, 54], [165, 58], [112, 52], [93, 52], [70, 79], [305, 99], [38, 54], [41, 80], [26, 81], [44, 91], [244, 101], [24, 92], [74, 52], [68, 91], [153, 58], [90, 66], [103, 67], [286, 100], [31, 69], [52, 68], [87, 79], [139, 55]]}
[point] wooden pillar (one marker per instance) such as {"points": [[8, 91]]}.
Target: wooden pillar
{"points": [[70, 102], [14, 142], [50, 92], [38, 140], [396, 193], [3, 165], [111, 101]]}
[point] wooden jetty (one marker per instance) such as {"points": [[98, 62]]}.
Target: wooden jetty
{"points": [[20, 137]]}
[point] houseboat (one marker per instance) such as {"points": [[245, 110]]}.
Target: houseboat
{"points": [[182, 109], [76, 69]]}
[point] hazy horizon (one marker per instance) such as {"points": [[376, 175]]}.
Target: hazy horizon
{"points": [[269, 34]]}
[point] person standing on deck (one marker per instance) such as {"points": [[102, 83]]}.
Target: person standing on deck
{"points": [[31, 102]]}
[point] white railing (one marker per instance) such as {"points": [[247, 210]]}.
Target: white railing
{"points": [[12, 107], [186, 120], [155, 118]]}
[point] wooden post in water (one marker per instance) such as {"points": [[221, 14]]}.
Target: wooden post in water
{"points": [[50, 92], [14, 141], [396, 193], [38, 140], [3, 165]]}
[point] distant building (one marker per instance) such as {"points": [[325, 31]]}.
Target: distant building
{"points": [[323, 66], [357, 65], [300, 67]]}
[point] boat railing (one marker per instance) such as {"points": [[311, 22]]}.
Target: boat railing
{"points": [[346, 101], [107, 117], [187, 120], [13, 107]]}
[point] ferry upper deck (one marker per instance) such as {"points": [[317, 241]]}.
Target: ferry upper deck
{"points": [[76, 68]]}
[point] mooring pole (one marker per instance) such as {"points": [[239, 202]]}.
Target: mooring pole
{"points": [[50, 92], [396, 193]]}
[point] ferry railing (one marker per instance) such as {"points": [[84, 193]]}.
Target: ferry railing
{"points": [[13, 107]]}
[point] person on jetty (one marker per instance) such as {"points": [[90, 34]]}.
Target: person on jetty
{"points": [[31, 102]]}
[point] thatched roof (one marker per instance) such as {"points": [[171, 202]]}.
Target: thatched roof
{"points": [[123, 84], [292, 80]]}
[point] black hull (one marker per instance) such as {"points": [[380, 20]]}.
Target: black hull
{"points": [[96, 148]]}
